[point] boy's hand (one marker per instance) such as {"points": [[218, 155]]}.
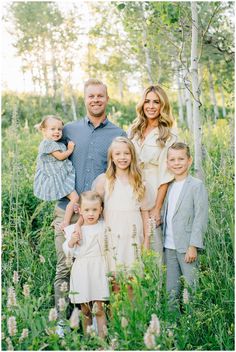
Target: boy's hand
{"points": [[191, 254], [71, 146]]}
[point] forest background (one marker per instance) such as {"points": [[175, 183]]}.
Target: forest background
{"points": [[188, 48]]}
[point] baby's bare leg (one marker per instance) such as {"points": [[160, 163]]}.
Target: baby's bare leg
{"points": [[87, 316], [74, 198], [101, 319]]}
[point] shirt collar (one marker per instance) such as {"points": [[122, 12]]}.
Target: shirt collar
{"points": [[102, 124]]}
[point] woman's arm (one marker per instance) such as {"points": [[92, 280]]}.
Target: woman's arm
{"points": [[59, 155], [156, 210]]}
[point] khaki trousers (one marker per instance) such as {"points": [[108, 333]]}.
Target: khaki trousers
{"points": [[62, 271]]}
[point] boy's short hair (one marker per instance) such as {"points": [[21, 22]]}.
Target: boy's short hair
{"points": [[94, 82], [90, 196], [180, 146]]}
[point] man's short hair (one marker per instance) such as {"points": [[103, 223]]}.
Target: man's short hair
{"points": [[180, 146], [94, 82]]}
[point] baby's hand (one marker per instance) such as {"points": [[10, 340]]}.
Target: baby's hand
{"points": [[74, 239], [71, 146]]}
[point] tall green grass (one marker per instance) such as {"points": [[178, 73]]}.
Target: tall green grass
{"points": [[206, 323]]}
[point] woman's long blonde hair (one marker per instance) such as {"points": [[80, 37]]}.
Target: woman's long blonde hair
{"points": [[165, 119], [135, 176]]}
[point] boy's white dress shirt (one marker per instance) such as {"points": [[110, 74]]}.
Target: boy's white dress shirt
{"points": [[172, 201]]}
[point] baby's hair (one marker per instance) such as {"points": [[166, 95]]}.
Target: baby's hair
{"points": [[180, 146], [43, 123], [135, 175], [90, 196]]}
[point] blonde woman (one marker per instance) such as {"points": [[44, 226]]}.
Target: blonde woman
{"points": [[126, 204], [152, 133]]}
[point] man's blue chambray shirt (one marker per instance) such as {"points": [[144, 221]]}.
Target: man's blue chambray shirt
{"points": [[89, 157]]}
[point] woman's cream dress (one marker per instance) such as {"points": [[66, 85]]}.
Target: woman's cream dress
{"points": [[152, 160]]}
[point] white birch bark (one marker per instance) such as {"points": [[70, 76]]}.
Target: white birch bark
{"points": [[180, 98], [196, 94], [223, 100], [212, 92], [73, 107]]}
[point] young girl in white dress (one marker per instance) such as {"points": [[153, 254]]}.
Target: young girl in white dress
{"points": [[55, 175], [126, 204], [88, 280]]}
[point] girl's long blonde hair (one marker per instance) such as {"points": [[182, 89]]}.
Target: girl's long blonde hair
{"points": [[135, 176], [165, 119]]}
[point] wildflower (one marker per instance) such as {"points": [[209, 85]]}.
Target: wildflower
{"points": [[52, 314], [26, 290], [95, 309], [90, 330], [170, 333], [74, 319], [42, 259], [149, 340], [185, 296], [106, 246], [64, 287], [11, 298], [11, 325], [15, 277], [62, 304], [24, 335], [154, 326], [151, 226], [9, 344], [113, 344], [124, 322], [68, 261]]}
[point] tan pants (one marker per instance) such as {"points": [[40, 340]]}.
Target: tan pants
{"points": [[62, 271]]}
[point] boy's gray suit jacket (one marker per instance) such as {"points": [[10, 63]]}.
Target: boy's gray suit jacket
{"points": [[190, 218]]}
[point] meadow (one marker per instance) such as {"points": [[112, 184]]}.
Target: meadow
{"points": [[29, 260]]}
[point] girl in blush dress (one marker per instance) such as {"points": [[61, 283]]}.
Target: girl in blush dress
{"points": [[126, 203]]}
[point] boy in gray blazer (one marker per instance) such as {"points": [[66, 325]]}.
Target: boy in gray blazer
{"points": [[185, 221]]}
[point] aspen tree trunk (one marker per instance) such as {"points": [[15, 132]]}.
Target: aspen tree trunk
{"points": [[188, 102], [63, 101], [212, 92], [180, 98], [196, 94], [223, 100], [145, 48], [73, 107]]}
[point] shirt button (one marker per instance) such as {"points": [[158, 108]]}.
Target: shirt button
{"points": [[88, 170]]}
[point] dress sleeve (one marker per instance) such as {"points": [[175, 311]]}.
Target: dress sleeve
{"points": [[49, 147], [149, 199], [68, 232]]}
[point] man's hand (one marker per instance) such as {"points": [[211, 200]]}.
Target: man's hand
{"points": [[191, 254], [71, 146]]}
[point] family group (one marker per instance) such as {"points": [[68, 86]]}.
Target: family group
{"points": [[109, 184]]}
